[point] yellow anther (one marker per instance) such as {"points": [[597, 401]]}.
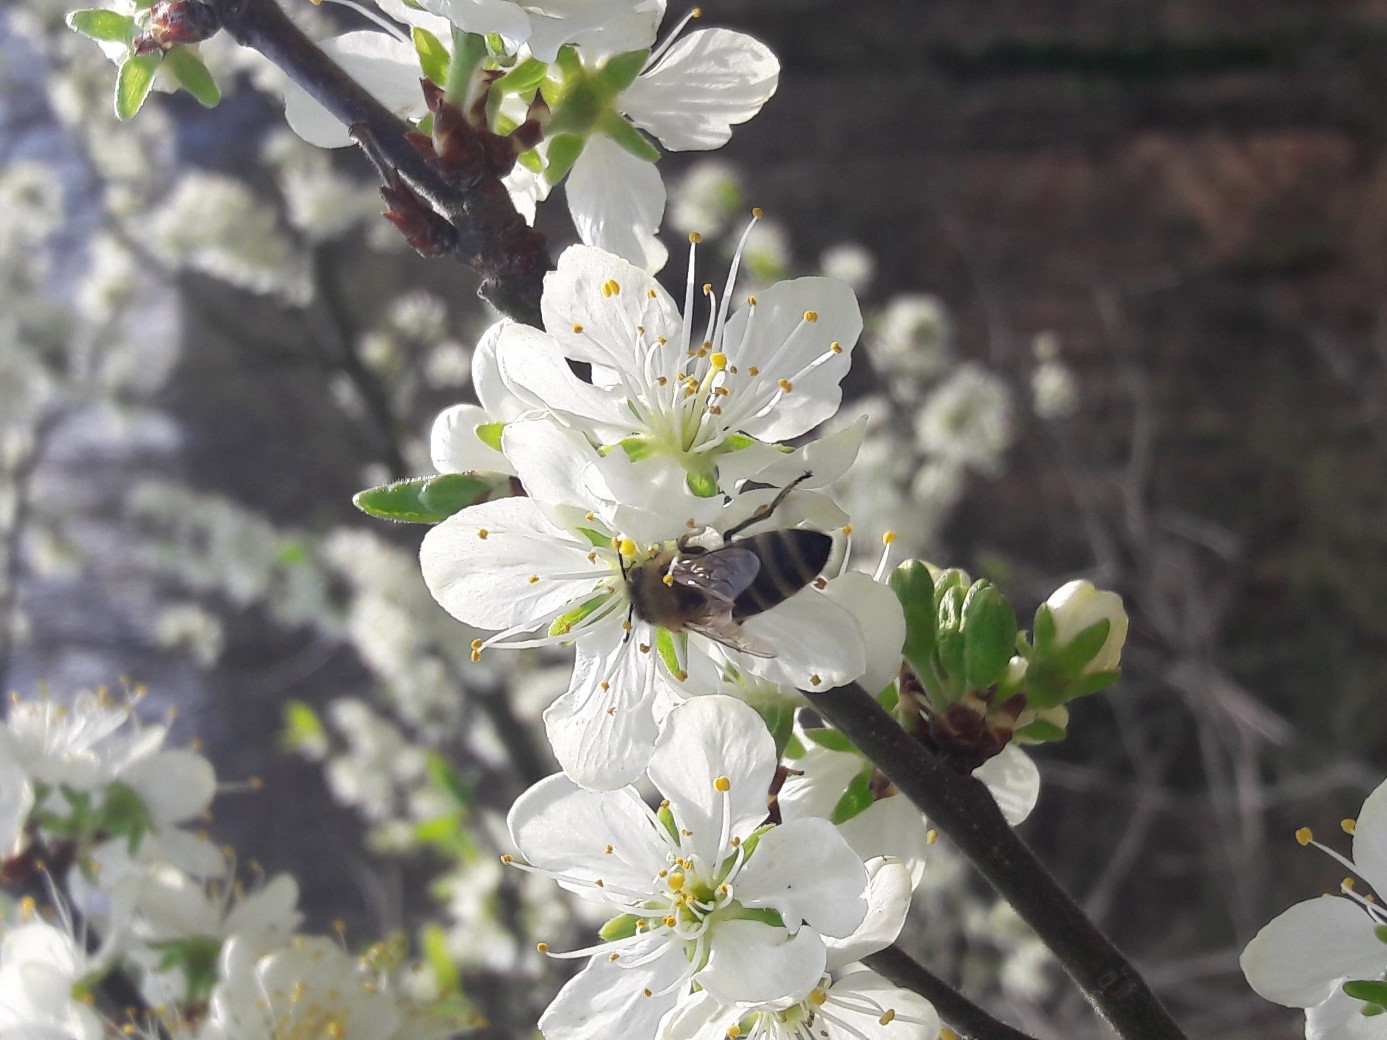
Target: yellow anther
{"points": [[1348, 826], [836, 347], [718, 361], [661, 381], [645, 648], [577, 327], [723, 784], [695, 237], [542, 947], [820, 583], [1305, 835], [507, 858], [600, 883], [681, 675], [589, 516], [671, 921], [811, 316], [1348, 884], [651, 294], [482, 532], [888, 1018], [707, 288], [888, 538], [931, 836], [753, 371], [647, 992], [611, 957], [668, 579], [476, 644], [815, 680], [605, 685], [28, 907], [785, 385], [627, 547], [611, 710], [533, 579], [818, 995], [608, 849], [610, 288], [846, 529], [675, 881], [734, 1031], [475, 655], [697, 12], [751, 301], [757, 212], [714, 409]]}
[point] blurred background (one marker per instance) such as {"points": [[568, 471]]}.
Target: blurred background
{"points": [[1124, 265]]}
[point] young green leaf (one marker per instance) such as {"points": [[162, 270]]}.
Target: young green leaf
{"points": [[133, 82], [429, 500], [192, 75], [99, 23]]}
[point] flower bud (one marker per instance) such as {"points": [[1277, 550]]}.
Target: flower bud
{"points": [[1075, 608]]}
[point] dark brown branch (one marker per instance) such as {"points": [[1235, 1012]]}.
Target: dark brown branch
{"points": [[964, 1017], [962, 808], [491, 237]]}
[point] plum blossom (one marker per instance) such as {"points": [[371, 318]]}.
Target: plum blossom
{"points": [[551, 568], [700, 407], [41, 968], [1312, 953], [706, 894]]}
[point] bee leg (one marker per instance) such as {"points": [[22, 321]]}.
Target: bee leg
{"points": [[764, 511]]}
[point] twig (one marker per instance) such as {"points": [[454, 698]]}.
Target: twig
{"points": [[964, 1017], [962, 808], [491, 237]]}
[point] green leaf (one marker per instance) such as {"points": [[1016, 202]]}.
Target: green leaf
{"points": [[99, 23], [433, 56], [429, 500], [855, 799], [133, 83], [303, 728], [616, 126], [192, 76], [914, 587], [449, 780]]}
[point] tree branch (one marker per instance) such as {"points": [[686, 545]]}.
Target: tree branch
{"points": [[964, 809], [964, 1017], [487, 233]]}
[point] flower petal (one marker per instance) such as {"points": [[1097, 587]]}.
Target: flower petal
{"points": [[818, 642], [386, 67], [703, 739], [602, 729], [1297, 958], [559, 826], [890, 826], [805, 870], [535, 370], [478, 564], [863, 999], [616, 201], [1370, 840], [708, 80], [1341, 1017], [775, 339], [174, 785], [455, 447], [1014, 781], [605, 999], [889, 888], [881, 622], [754, 963]]}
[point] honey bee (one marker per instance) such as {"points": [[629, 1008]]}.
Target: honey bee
{"points": [[712, 591]]}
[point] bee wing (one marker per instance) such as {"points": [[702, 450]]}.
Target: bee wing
{"points": [[720, 628], [723, 574]]}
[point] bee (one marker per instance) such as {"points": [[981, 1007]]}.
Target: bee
{"points": [[712, 591]]}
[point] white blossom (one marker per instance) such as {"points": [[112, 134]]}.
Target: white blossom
{"points": [[966, 420]]}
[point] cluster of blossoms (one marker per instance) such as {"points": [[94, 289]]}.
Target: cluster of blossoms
{"points": [[86, 790]]}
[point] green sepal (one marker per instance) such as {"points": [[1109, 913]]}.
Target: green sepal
{"points": [[564, 150], [192, 76], [754, 838], [669, 648], [433, 56], [1043, 630], [780, 720], [638, 446], [702, 484], [831, 739], [1082, 649], [124, 813], [794, 748], [621, 71], [855, 799], [989, 628], [429, 500], [619, 129], [763, 914], [1372, 1010], [490, 434], [531, 160], [889, 698], [133, 83], [195, 958], [666, 818], [442, 834], [101, 23], [623, 926], [1372, 991], [526, 76], [1380, 932], [563, 624], [1040, 732], [950, 643], [740, 442], [914, 588], [597, 538]]}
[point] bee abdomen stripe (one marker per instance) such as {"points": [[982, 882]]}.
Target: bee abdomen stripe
{"points": [[790, 560]]}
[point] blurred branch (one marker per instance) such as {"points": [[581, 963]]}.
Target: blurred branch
{"points": [[964, 1017], [964, 809], [488, 234]]}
